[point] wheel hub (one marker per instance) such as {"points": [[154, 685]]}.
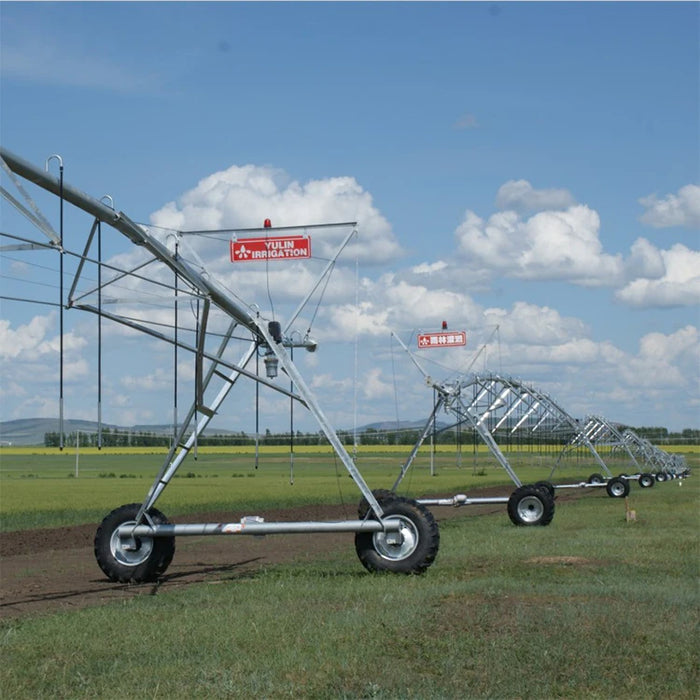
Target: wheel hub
{"points": [[617, 489], [530, 509], [397, 545], [130, 551]]}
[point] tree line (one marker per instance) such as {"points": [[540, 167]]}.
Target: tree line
{"points": [[111, 437]]}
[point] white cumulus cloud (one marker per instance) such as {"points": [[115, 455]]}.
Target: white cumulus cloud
{"points": [[26, 338], [550, 245], [534, 325], [664, 361], [521, 196], [681, 209], [244, 196], [391, 303], [679, 285], [32, 341]]}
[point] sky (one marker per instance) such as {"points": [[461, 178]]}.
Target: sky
{"points": [[526, 172]]}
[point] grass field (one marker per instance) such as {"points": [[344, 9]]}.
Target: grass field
{"points": [[588, 607], [42, 487]]}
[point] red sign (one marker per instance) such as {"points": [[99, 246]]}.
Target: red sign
{"points": [[270, 248], [442, 340]]}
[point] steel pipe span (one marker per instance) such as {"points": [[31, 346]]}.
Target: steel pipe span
{"points": [[259, 528]]}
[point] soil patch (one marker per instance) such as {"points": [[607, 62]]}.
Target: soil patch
{"points": [[48, 570]]}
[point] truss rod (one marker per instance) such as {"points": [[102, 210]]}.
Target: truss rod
{"points": [[266, 230], [424, 434], [218, 294], [36, 217], [135, 233], [190, 348]]}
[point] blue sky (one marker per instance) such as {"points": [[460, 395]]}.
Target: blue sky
{"points": [[531, 166]]}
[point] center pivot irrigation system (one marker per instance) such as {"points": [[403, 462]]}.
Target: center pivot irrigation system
{"points": [[135, 542], [663, 465], [597, 432], [503, 409], [488, 403], [660, 465]]}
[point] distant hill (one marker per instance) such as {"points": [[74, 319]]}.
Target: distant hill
{"points": [[389, 425], [30, 431]]}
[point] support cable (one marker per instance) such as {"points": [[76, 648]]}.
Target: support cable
{"points": [[99, 335], [60, 294], [323, 292], [257, 408], [433, 437], [175, 347], [355, 359], [99, 326], [291, 425], [396, 391], [198, 360]]}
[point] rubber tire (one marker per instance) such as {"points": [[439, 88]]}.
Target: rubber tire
{"points": [[547, 486], [618, 488], [154, 560], [382, 495], [646, 481], [530, 505], [377, 555], [660, 476], [596, 479]]}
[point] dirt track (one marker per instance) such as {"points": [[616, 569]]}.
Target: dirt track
{"points": [[54, 569]]}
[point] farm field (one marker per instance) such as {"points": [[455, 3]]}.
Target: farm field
{"points": [[42, 487], [581, 608], [42, 490]]}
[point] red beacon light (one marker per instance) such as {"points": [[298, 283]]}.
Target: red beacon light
{"points": [[268, 223], [444, 325]]}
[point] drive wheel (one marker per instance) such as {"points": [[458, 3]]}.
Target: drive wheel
{"points": [[139, 559], [530, 505], [382, 495], [646, 481], [617, 488], [596, 479], [660, 476], [411, 550], [547, 486]]}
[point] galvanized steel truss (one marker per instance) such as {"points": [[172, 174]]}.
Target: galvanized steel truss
{"points": [[193, 282], [501, 409]]}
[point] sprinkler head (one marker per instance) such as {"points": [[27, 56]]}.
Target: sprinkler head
{"points": [[271, 363]]}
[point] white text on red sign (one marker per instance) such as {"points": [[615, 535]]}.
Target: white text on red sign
{"points": [[442, 340], [270, 248]]}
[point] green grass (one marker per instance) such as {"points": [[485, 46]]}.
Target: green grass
{"points": [[588, 607], [39, 491]]}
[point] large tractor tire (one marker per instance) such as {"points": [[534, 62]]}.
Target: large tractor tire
{"points": [[134, 560], [531, 505], [411, 550]]}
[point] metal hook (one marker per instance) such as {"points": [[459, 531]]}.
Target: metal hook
{"points": [[58, 158], [109, 197]]}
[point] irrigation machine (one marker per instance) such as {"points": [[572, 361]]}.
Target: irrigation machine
{"points": [[503, 410], [136, 542], [662, 465], [597, 434], [488, 403]]}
